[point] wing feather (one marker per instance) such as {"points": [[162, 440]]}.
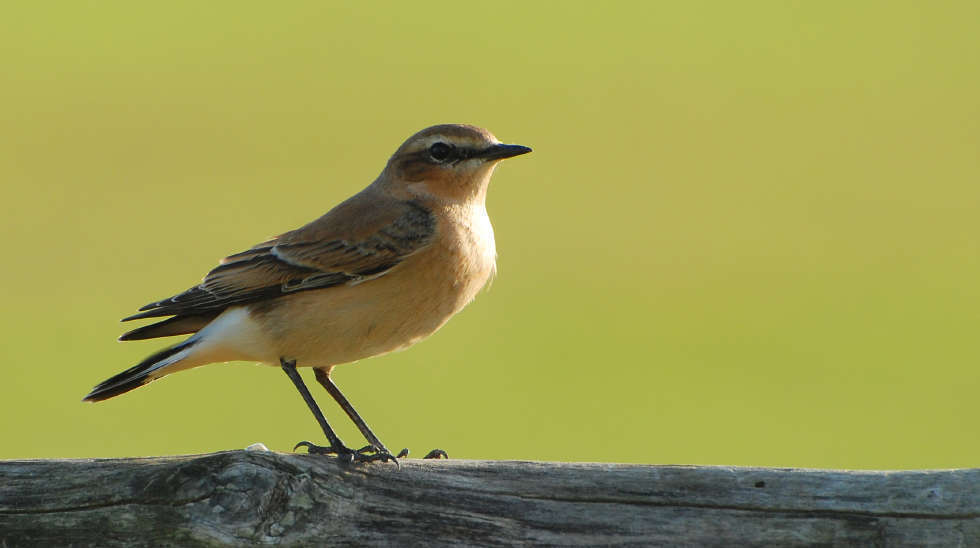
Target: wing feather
{"points": [[340, 248]]}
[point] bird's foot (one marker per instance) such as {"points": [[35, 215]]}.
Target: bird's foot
{"points": [[434, 454], [344, 454]]}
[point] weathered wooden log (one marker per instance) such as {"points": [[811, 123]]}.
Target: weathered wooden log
{"points": [[258, 497]]}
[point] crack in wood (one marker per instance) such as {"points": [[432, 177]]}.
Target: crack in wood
{"points": [[247, 497]]}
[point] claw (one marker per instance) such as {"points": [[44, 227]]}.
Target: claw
{"points": [[436, 454], [309, 446], [382, 456], [314, 449], [402, 454], [368, 453]]}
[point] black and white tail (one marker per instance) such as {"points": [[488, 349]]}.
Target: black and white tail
{"points": [[148, 370]]}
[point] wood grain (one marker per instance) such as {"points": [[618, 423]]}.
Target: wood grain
{"points": [[260, 497]]}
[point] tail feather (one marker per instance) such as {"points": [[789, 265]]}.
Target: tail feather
{"points": [[139, 374], [178, 325]]}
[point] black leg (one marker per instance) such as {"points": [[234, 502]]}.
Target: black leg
{"points": [[290, 368], [324, 378], [336, 446], [381, 451]]}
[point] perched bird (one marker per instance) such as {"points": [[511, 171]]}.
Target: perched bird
{"points": [[377, 273]]}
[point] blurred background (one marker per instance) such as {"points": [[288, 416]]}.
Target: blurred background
{"points": [[748, 233]]}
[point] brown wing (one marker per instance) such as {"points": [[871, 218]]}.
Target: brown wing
{"points": [[358, 240]]}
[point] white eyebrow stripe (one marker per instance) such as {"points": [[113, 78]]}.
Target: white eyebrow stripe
{"points": [[455, 141]]}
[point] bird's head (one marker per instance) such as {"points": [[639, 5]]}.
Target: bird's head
{"points": [[450, 161]]}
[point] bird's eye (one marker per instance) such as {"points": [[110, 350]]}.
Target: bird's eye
{"points": [[440, 152]]}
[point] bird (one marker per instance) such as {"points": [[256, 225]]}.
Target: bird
{"points": [[377, 273]]}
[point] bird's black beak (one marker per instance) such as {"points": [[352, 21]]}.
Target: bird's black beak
{"points": [[501, 151]]}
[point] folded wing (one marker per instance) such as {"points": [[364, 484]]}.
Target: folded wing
{"points": [[355, 242]]}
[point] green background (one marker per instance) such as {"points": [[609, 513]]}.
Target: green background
{"points": [[748, 233]]}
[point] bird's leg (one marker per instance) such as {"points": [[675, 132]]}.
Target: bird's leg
{"points": [[380, 450], [336, 446]]}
